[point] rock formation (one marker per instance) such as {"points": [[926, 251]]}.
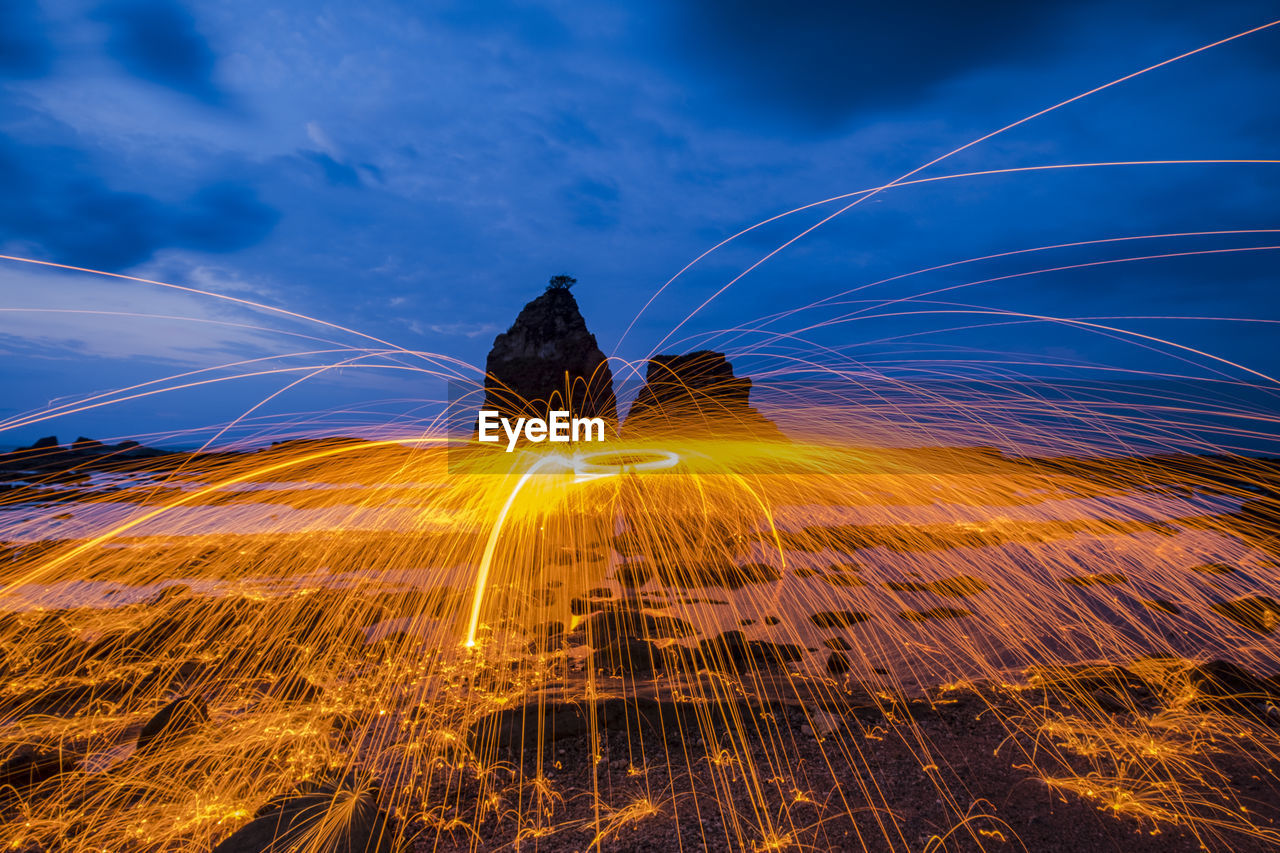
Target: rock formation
{"points": [[696, 393], [549, 360], [84, 454], [334, 816]]}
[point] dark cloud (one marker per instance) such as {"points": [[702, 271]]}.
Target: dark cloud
{"points": [[221, 217], [24, 50], [820, 61], [56, 204], [157, 40]]}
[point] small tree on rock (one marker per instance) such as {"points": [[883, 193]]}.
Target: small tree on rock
{"points": [[561, 282]]}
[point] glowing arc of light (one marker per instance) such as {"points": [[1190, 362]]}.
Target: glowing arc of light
{"points": [[584, 471]]}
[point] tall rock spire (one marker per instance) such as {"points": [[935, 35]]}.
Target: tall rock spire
{"points": [[549, 360]]}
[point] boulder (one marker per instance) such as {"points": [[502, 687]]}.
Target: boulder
{"points": [[30, 767], [87, 445], [296, 688], [1227, 686], [838, 663], [1105, 685], [1259, 613], [629, 655], [732, 650], [173, 723], [610, 625], [346, 818]]}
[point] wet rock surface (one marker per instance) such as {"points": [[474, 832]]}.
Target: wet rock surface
{"points": [[978, 735]]}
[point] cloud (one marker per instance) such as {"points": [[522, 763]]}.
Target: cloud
{"points": [[24, 51], [157, 40], [823, 62], [466, 330], [57, 205], [337, 171], [317, 135], [39, 319]]}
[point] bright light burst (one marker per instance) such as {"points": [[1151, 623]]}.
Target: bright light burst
{"points": [[758, 643]]}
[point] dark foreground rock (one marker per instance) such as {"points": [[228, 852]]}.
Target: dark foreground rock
{"points": [[327, 818], [1259, 613], [30, 767], [173, 723], [1228, 686], [517, 729]]}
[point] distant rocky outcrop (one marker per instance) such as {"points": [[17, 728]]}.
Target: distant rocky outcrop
{"points": [[46, 454], [549, 360], [696, 393]]}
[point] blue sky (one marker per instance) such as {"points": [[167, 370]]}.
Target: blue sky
{"points": [[416, 171]]}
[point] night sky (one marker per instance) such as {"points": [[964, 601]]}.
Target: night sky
{"points": [[417, 170]]}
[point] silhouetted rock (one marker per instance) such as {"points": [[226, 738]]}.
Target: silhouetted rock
{"points": [[296, 688], [732, 650], [933, 613], [549, 360], [838, 663], [1259, 613], [618, 621], [1085, 681], [512, 729], [838, 618], [1260, 519], [173, 723], [326, 818], [47, 458], [627, 654], [134, 450], [1229, 686], [696, 394], [30, 767]]}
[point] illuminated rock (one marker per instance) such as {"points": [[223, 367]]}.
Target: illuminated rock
{"points": [[696, 394], [325, 818], [173, 723]]}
